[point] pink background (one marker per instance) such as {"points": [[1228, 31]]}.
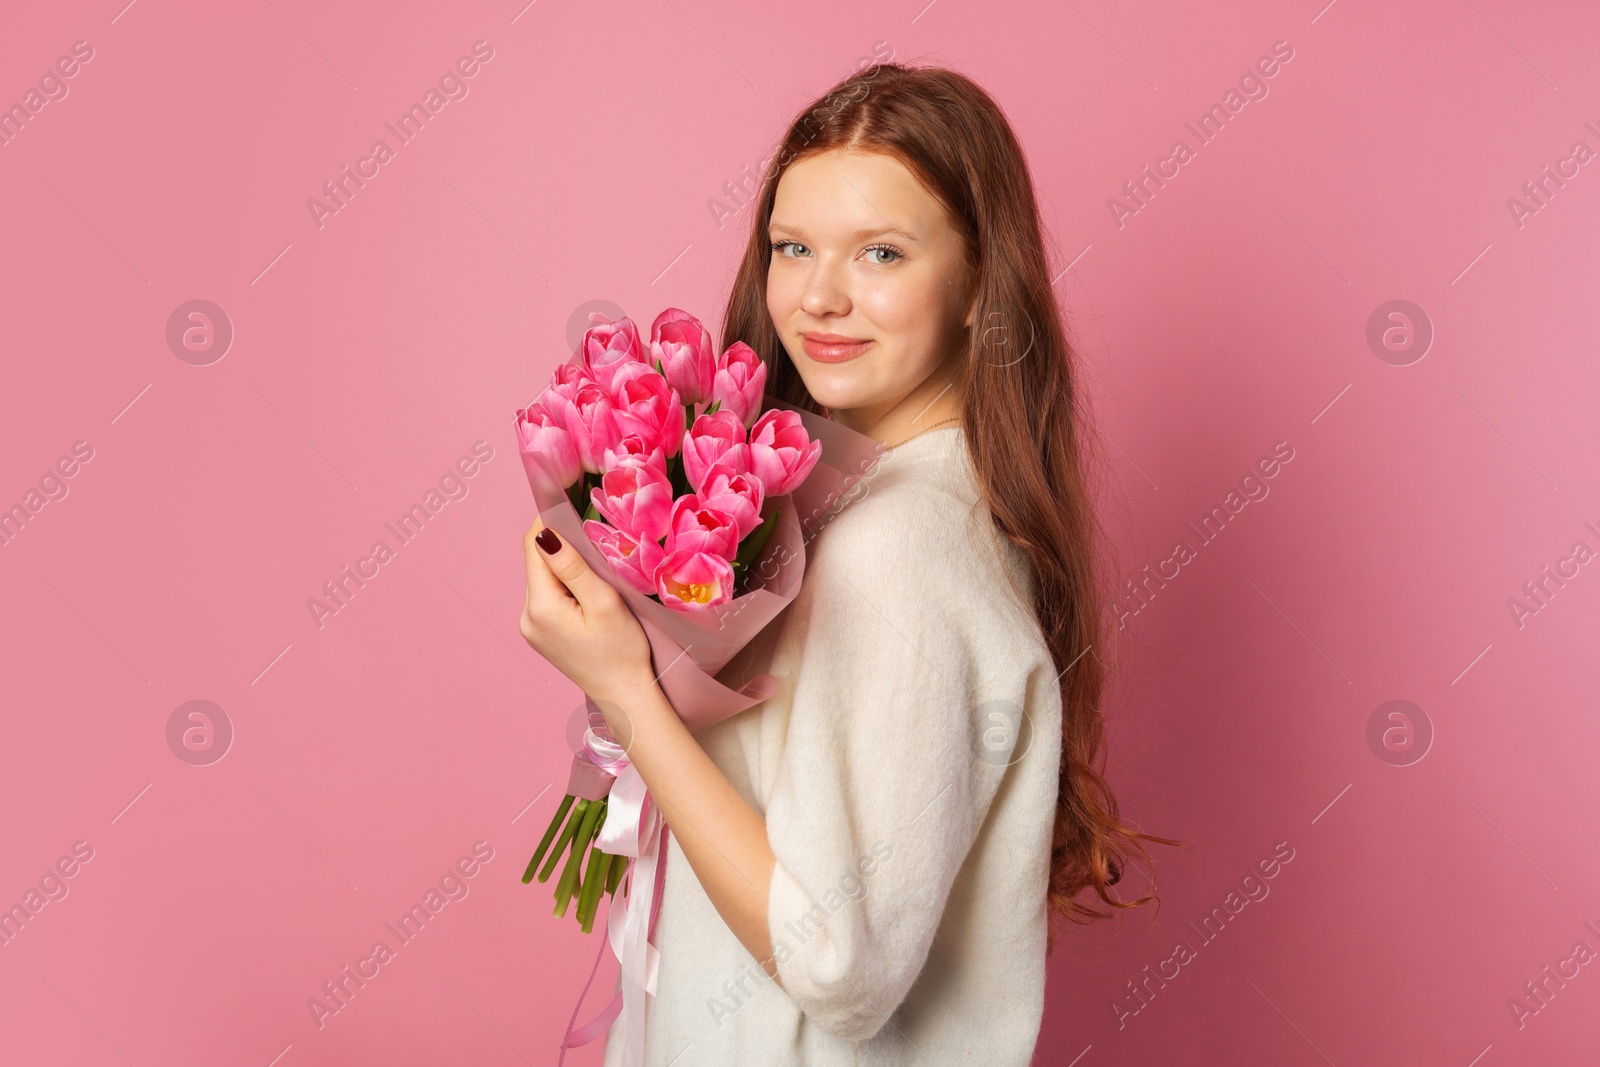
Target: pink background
{"points": [[1230, 313]]}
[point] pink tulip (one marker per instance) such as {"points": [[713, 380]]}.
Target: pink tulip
{"points": [[648, 406], [589, 417], [735, 494], [636, 498], [635, 559], [634, 447], [781, 452], [692, 527], [565, 382], [710, 439], [566, 378], [694, 581], [685, 353], [740, 382], [540, 432], [608, 347]]}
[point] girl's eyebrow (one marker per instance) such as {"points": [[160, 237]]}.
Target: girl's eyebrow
{"points": [[878, 231]]}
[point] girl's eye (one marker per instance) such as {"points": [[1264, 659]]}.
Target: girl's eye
{"points": [[779, 246]]}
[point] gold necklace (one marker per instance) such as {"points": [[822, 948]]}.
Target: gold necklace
{"points": [[925, 429]]}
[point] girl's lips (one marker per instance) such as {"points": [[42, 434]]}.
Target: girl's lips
{"points": [[833, 351]]}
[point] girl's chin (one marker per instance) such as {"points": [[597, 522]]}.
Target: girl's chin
{"points": [[824, 387], [835, 399]]}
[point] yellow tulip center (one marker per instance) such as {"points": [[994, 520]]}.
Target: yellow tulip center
{"points": [[693, 592]]}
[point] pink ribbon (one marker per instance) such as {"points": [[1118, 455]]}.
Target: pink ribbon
{"points": [[633, 828], [596, 765]]}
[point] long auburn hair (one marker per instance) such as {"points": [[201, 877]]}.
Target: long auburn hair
{"points": [[1026, 426]]}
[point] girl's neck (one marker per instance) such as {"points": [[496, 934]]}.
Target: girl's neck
{"points": [[935, 402]]}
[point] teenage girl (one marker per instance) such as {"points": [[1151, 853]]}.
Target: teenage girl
{"points": [[863, 869]]}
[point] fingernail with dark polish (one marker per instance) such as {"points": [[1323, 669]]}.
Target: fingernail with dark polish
{"points": [[549, 543]]}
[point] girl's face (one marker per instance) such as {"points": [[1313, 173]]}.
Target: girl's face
{"points": [[868, 287]]}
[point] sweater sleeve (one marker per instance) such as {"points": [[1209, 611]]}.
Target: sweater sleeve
{"points": [[908, 697]]}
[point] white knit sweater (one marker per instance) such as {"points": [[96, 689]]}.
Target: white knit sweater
{"points": [[907, 770]]}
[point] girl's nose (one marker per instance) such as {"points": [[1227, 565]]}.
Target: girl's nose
{"points": [[827, 291]]}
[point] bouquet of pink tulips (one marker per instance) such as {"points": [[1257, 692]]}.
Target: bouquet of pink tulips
{"points": [[679, 477]]}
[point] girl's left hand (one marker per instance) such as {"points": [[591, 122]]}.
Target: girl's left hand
{"points": [[576, 620]]}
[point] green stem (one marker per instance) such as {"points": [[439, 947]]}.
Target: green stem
{"points": [[568, 882], [571, 828], [593, 879], [619, 864], [569, 874], [549, 836]]}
